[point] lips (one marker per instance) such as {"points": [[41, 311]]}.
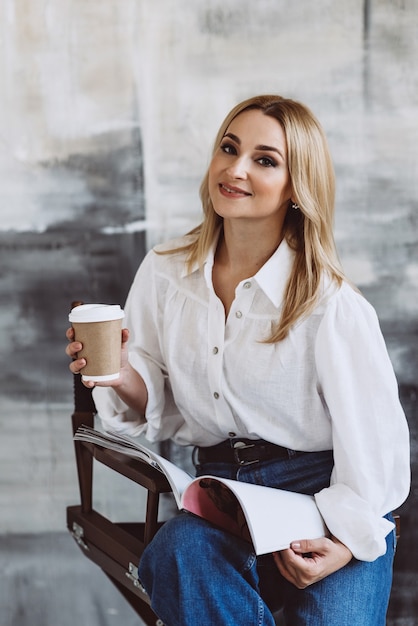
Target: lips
{"points": [[231, 191]]}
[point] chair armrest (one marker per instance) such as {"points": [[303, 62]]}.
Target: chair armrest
{"points": [[139, 471]]}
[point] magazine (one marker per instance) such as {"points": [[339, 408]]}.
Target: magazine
{"points": [[270, 518]]}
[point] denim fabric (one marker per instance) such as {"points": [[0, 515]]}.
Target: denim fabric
{"points": [[195, 573]]}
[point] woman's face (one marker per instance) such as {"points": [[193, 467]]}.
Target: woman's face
{"points": [[248, 174]]}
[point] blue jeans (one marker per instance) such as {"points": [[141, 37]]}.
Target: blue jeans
{"points": [[196, 574]]}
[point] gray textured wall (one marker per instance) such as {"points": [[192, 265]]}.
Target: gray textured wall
{"points": [[108, 112]]}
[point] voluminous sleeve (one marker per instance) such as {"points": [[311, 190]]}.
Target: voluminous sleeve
{"points": [[142, 315], [371, 475]]}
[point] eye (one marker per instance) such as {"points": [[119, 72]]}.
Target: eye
{"points": [[228, 148], [267, 161]]}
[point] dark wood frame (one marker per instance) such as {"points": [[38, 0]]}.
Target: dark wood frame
{"points": [[115, 547]]}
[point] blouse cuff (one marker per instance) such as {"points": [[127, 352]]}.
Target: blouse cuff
{"points": [[351, 520], [162, 418], [115, 414]]}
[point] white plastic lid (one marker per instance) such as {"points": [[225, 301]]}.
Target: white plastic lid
{"points": [[96, 313]]}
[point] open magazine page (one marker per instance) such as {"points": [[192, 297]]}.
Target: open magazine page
{"points": [[116, 442], [270, 518], [178, 478], [212, 499], [275, 517]]}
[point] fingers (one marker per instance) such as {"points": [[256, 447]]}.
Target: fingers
{"points": [[299, 570], [307, 546], [287, 568], [302, 563], [73, 348], [77, 365], [308, 561]]}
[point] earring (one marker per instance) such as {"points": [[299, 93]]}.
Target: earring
{"points": [[295, 206]]}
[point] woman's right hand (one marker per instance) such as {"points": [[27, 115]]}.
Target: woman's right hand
{"points": [[130, 386], [76, 365]]}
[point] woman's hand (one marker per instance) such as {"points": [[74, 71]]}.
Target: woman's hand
{"points": [[77, 364], [130, 386], [308, 561]]}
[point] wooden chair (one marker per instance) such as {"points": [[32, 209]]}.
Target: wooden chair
{"points": [[115, 547]]}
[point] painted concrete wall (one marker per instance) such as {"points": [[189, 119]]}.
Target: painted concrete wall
{"points": [[108, 113]]}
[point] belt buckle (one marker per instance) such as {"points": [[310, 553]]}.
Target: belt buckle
{"points": [[237, 446]]}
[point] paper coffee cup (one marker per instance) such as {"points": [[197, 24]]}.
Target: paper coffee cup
{"points": [[98, 327]]}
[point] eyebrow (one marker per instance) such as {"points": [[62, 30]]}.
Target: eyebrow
{"points": [[260, 147]]}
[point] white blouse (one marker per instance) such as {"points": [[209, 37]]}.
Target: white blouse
{"points": [[328, 385]]}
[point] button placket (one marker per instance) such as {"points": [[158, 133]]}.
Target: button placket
{"points": [[240, 307], [220, 333], [216, 339]]}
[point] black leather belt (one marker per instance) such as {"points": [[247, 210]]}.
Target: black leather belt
{"points": [[243, 452]]}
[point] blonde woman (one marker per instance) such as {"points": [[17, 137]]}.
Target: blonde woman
{"points": [[247, 331]]}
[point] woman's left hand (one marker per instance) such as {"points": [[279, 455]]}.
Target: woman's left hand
{"points": [[308, 561]]}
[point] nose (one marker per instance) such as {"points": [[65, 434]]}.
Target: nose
{"points": [[238, 168]]}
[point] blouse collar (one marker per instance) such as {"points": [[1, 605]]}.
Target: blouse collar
{"points": [[272, 277]]}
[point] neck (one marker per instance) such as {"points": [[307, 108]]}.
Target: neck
{"points": [[246, 250]]}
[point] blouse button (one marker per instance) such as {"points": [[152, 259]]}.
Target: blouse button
{"points": [[216, 395], [238, 314], [232, 434], [247, 285], [215, 350]]}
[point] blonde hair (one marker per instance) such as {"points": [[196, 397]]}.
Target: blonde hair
{"points": [[309, 229]]}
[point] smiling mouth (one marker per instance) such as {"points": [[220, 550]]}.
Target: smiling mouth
{"points": [[233, 190]]}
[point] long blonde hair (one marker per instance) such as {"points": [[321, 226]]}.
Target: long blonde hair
{"points": [[309, 229]]}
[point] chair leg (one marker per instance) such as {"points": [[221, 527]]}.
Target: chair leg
{"points": [[151, 519], [139, 606]]}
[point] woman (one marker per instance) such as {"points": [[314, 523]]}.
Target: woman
{"points": [[247, 341]]}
